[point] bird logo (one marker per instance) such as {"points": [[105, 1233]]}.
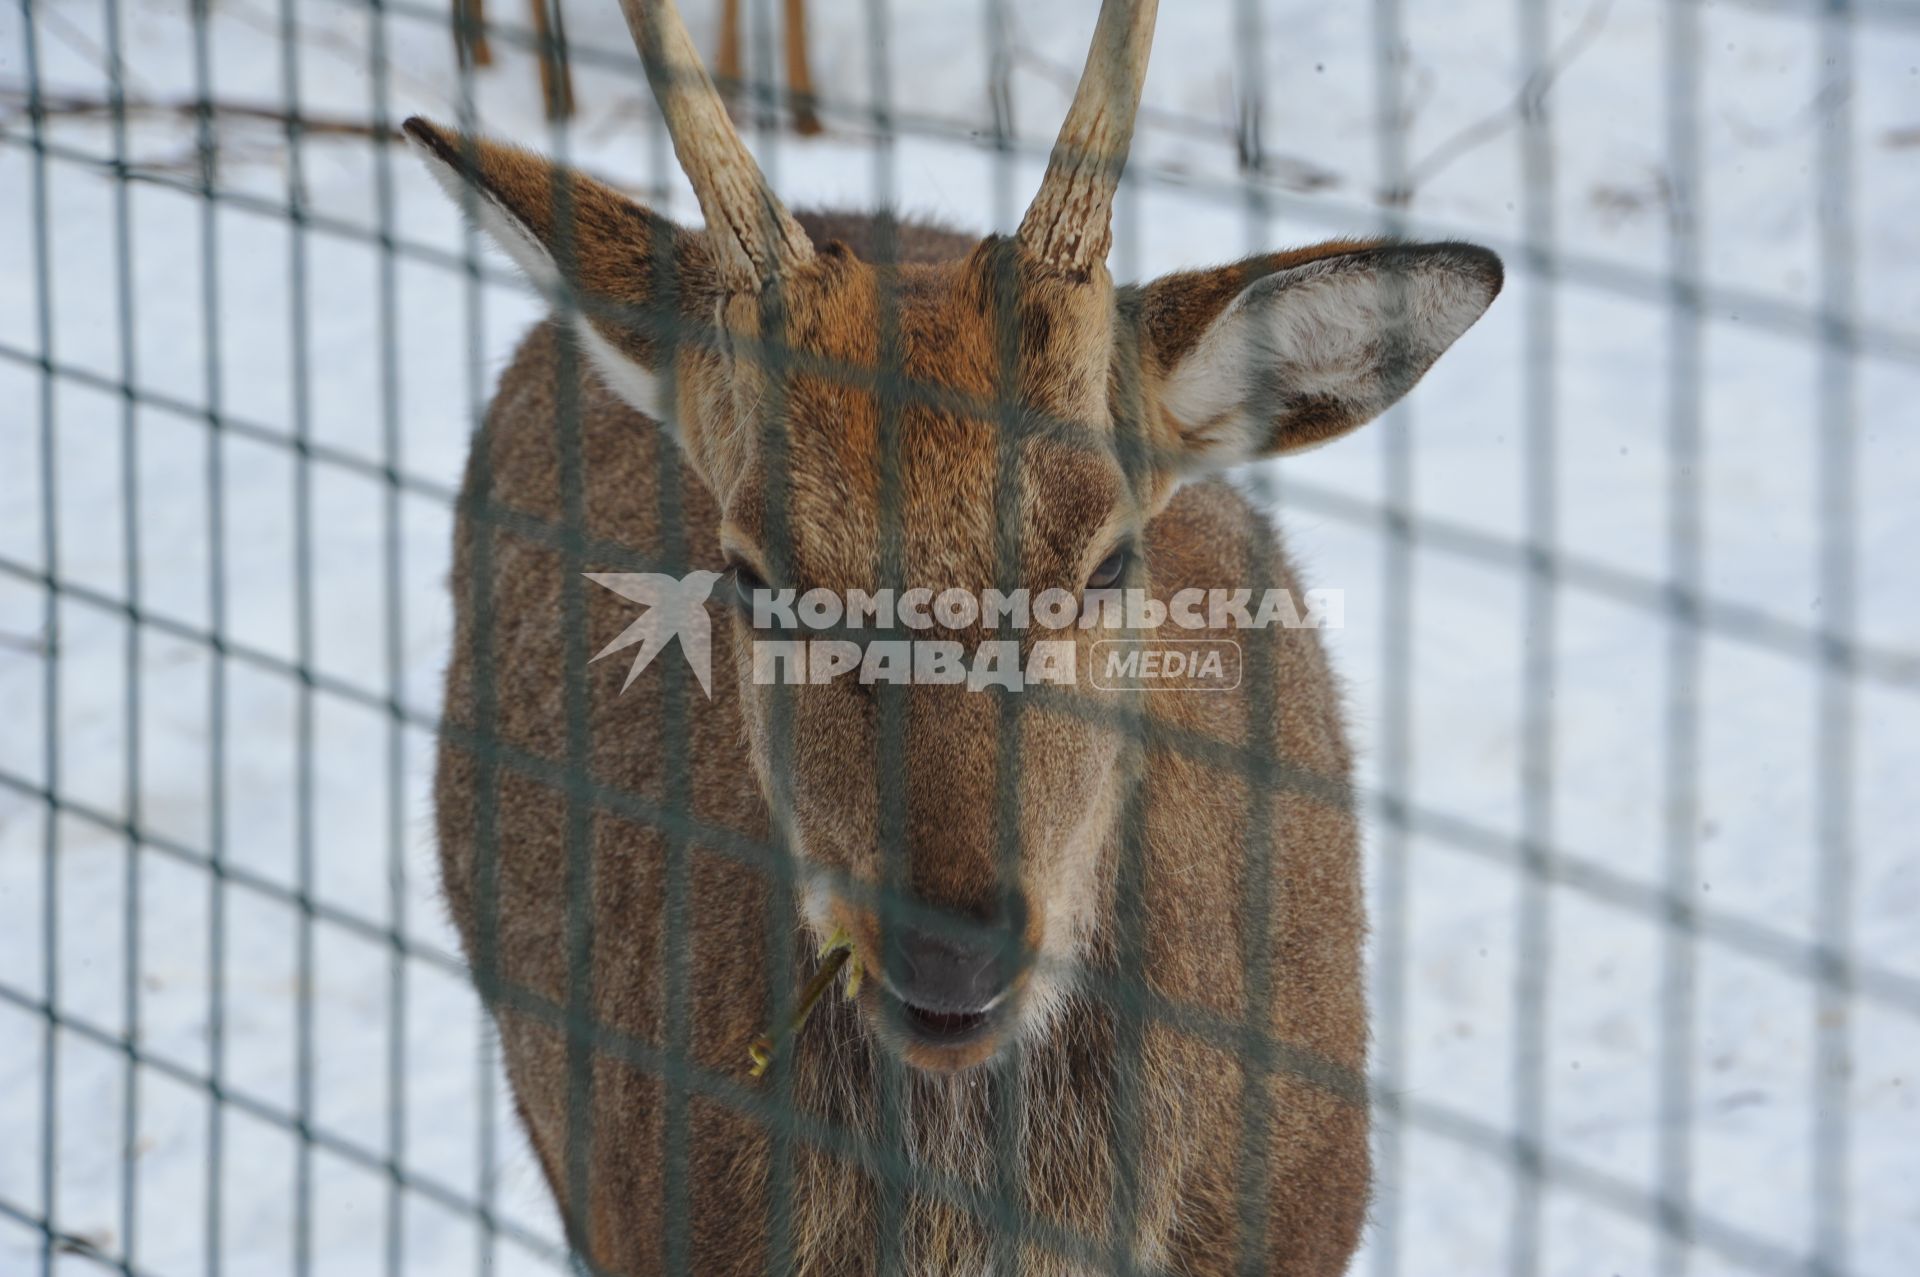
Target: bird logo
{"points": [[676, 608]]}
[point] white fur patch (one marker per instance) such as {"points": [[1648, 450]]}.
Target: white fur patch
{"points": [[626, 377], [1324, 330]]}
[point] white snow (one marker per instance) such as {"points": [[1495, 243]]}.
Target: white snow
{"points": [[1754, 1045]]}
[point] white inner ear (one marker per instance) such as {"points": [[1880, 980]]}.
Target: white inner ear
{"points": [[1322, 330], [1207, 391], [626, 378]]}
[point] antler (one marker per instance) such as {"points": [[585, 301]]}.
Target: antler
{"points": [[753, 236], [1070, 222]]}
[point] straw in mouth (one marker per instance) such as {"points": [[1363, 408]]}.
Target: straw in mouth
{"points": [[837, 952]]}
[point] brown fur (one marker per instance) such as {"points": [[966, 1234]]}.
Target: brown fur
{"points": [[677, 808], [1169, 1078]]}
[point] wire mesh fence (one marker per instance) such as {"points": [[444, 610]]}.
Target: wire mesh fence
{"points": [[1631, 645]]}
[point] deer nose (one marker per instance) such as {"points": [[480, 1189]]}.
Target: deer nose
{"points": [[958, 967]]}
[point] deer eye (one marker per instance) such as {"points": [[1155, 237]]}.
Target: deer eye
{"points": [[746, 583], [1111, 569]]}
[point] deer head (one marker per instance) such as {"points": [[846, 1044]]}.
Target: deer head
{"points": [[1008, 420]]}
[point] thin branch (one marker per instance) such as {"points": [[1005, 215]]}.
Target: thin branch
{"points": [[15, 102], [1527, 104], [1287, 171]]}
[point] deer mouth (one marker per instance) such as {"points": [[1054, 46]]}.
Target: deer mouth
{"points": [[944, 1006], [945, 1028], [942, 1028]]}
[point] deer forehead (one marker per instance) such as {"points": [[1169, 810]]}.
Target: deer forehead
{"points": [[892, 399], [942, 498], [989, 330]]}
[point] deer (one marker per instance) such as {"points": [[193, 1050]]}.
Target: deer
{"points": [[556, 80], [1111, 1012]]}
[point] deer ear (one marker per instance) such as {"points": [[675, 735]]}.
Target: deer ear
{"points": [[1307, 352], [634, 278]]}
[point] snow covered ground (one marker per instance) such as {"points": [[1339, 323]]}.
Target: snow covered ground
{"points": [[381, 362]]}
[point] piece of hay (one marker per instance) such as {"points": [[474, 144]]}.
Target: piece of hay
{"points": [[837, 952]]}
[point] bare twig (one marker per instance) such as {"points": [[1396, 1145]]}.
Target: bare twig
{"points": [[15, 102], [35, 644], [1527, 104], [342, 48], [64, 30], [1618, 201], [1285, 170], [1247, 109]]}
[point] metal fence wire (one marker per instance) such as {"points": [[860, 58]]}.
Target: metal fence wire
{"points": [[1631, 645]]}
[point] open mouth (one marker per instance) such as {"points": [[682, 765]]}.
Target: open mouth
{"points": [[933, 1026]]}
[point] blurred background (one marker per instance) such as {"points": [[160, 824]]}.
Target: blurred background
{"points": [[1632, 626]]}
